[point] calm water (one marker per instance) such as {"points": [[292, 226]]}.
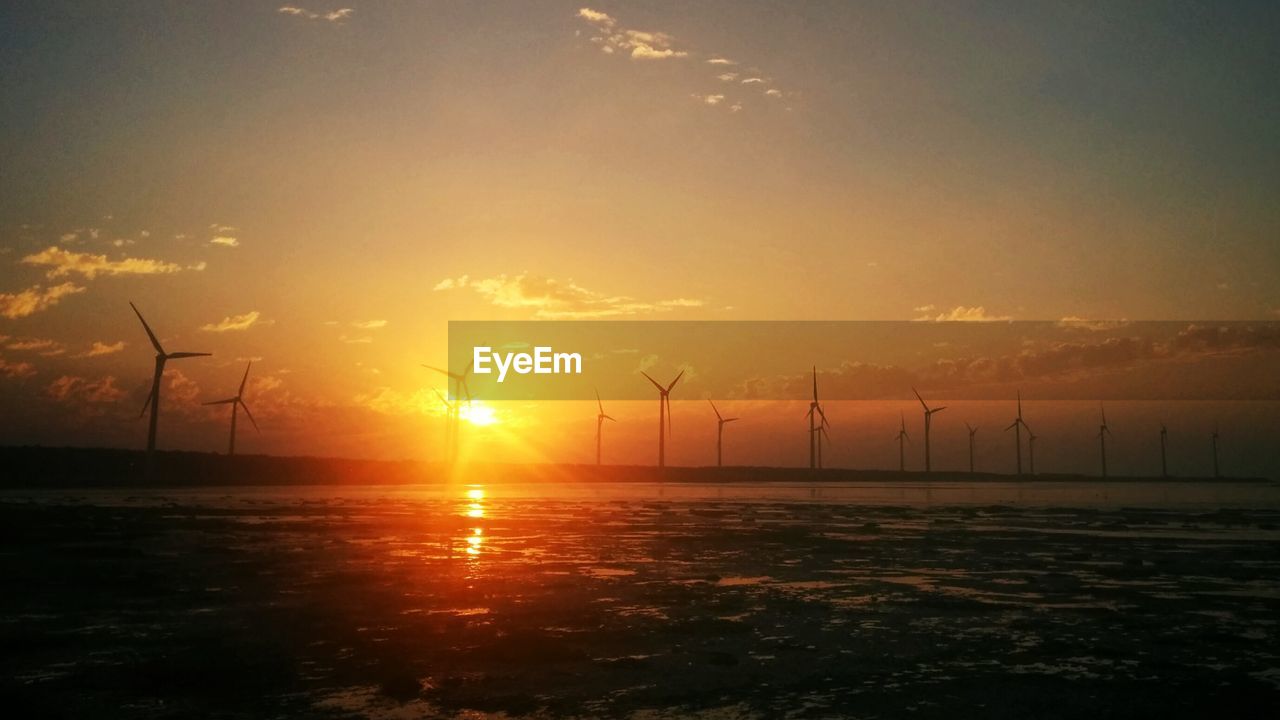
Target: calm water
{"points": [[642, 601]]}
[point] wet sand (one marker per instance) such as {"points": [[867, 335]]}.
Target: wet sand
{"points": [[634, 602]]}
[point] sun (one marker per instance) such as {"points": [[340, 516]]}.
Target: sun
{"points": [[478, 413]]}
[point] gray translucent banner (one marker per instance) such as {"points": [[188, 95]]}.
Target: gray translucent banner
{"points": [[857, 360]]}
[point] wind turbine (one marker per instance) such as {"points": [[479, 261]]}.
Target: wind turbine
{"points": [[1103, 432], [1016, 426], [664, 414], [1164, 438], [236, 403], [1214, 439], [600, 418], [972, 431], [817, 423], [903, 437], [153, 400], [720, 422], [453, 418], [822, 432], [928, 421]]}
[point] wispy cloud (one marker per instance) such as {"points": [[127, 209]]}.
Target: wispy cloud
{"points": [[64, 262], [101, 348], [960, 313], [638, 44], [233, 323], [16, 369], [34, 299], [225, 241], [358, 340], [714, 99], [369, 324], [73, 389], [551, 298], [33, 345], [330, 16], [720, 61]]}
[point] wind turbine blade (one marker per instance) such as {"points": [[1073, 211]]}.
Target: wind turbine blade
{"points": [[455, 376], [180, 355], [673, 382], [150, 396], [470, 366], [815, 383], [147, 327], [447, 404], [245, 379], [922, 404], [608, 417], [1012, 425], [600, 404], [729, 420], [246, 412], [228, 401], [938, 409], [655, 382], [714, 410]]}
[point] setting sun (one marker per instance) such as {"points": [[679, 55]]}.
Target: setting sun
{"points": [[478, 413]]}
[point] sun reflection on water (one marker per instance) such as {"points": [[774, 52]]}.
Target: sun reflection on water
{"points": [[475, 509]]}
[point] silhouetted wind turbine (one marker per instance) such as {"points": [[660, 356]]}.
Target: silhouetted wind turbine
{"points": [[822, 432], [453, 421], [664, 414], [600, 418], [817, 420], [720, 423], [153, 400], [1016, 426], [1164, 438], [972, 431], [236, 403], [1214, 439], [903, 438], [928, 421], [1103, 432]]}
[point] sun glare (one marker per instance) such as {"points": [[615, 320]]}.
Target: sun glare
{"points": [[477, 413]]}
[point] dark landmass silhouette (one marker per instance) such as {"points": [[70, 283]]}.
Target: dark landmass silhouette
{"points": [[66, 467]]}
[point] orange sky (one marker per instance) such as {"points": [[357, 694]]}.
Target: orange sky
{"points": [[321, 191]]}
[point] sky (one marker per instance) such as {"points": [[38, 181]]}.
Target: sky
{"points": [[319, 188]]}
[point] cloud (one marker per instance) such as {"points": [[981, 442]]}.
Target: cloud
{"points": [[773, 92], [72, 389], [639, 44], [720, 61], [65, 262], [34, 299], [225, 241], [369, 324], [711, 99], [331, 16], [551, 298], [33, 345], [961, 314], [752, 80], [101, 348], [361, 340], [596, 16], [16, 369], [234, 322], [727, 77]]}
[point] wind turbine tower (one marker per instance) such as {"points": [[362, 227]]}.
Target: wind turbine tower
{"points": [[720, 423], [928, 422]]}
